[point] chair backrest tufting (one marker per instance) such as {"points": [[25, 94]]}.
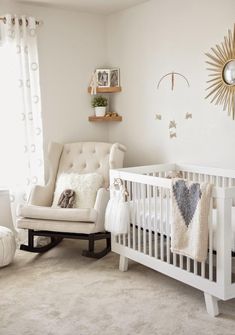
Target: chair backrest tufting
{"points": [[88, 157]]}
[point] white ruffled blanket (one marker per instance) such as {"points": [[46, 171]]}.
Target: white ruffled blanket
{"points": [[117, 215]]}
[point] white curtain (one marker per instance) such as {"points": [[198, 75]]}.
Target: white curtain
{"points": [[21, 138]]}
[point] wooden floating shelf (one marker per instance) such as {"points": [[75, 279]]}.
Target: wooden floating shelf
{"points": [[106, 89], [104, 118]]}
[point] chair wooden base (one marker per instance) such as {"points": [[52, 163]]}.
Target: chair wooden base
{"points": [[57, 237]]}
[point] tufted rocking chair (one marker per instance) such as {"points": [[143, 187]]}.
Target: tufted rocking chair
{"points": [[40, 218]]}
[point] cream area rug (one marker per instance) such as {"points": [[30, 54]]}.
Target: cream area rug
{"points": [[63, 293]]}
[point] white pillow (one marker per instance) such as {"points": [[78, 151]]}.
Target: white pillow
{"points": [[84, 185]]}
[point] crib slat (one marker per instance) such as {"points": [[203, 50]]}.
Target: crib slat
{"points": [[212, 180], [210, 244], [191, 176], [149, 220], [124, 239], [195, 179], [155, 192], [167, 225], [161, 225], [143, 198], [161, 174], [139, 218], [224, 183], [203, 269], [195, 267], [202, 178], [188, 264], [131, 198], [181, 261], [135, 218], [224, 242]]}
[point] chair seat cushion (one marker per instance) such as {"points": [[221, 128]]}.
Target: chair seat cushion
{"points": [[58, 214]]}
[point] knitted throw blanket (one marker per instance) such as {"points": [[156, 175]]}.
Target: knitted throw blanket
{"points": [[190, 210]]}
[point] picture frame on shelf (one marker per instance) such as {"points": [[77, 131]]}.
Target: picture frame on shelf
{"points": [[114, 77], [103, 77]]}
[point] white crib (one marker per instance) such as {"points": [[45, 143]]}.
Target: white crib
{"points": [[148, 240]]}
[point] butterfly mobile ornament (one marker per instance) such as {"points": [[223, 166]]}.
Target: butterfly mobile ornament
{"points": [[172, 124], [158, 116], [188, 116], [172, 129]]}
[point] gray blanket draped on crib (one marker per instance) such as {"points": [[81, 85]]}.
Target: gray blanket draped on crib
{"points": [[190, 210]]}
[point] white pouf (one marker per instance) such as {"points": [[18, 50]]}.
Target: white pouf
{"points": [[7, 246]]}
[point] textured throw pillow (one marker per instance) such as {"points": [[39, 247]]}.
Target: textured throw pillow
{"points": [[84, 185]]}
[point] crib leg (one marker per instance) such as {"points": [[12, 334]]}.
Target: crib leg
{"points": [[211, 304], [123, 263]]}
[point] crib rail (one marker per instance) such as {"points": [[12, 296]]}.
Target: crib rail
{"points": [[148, 240]]}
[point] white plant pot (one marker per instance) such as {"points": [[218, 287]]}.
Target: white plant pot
{"points": [[100, 111]]}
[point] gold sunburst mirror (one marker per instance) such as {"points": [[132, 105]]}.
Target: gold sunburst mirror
{"points": [[222, 73]]}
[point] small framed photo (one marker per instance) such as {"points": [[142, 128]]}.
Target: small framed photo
{"points": [[103, 77], [114, 77]]}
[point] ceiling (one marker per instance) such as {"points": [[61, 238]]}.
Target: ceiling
{"points": [[91, 6]]}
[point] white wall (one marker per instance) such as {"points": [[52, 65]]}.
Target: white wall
{"points": [[146, 42], [71, 45], [150, 40]]}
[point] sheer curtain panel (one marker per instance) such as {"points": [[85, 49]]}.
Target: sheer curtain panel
{"points": [[21, 137]]}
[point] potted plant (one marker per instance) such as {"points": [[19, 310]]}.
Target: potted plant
{"points": [[99, 103]]}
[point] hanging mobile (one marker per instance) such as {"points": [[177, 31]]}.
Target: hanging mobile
{"points": [[158, 116], [188, 116], [172, 75]]}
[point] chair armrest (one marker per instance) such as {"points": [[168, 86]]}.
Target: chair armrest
{"points": [[41, 196], [101, 202], [117, 156]]}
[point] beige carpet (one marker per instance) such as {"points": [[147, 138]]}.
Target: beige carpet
{"points": [[62, 292]]}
